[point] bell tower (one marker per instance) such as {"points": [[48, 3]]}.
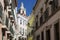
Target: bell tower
{"points": [[22, 9]]}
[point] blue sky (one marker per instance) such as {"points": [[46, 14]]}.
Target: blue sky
{"points": [[28, 4]]}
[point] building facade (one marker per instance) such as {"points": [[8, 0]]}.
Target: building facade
{"points": [[30, 27], [47, 20], [22, 20], [7, 20]]}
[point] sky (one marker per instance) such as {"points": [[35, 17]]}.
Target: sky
{"points": [[28, 4]]}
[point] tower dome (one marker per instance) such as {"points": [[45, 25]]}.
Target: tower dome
{"points": [[22, 5], [22, 9]]}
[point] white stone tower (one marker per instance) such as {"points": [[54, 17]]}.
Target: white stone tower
{"points": [[22, 9], [22, 22]]}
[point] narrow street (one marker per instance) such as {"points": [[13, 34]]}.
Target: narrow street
{"points": [[29, 19]]}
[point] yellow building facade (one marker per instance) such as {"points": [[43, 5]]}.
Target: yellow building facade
{"points": [[30, 27]]}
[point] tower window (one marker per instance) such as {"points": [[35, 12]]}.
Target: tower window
{"points": [[23, 12], [20, 21]]}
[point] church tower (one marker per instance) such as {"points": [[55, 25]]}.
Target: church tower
{"points": [[22, 21], [22, 9]]}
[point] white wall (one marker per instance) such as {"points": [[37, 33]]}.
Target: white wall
{"points": [[23, 25]]}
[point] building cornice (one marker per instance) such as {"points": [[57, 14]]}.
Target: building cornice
{"points": [[36, 5]]}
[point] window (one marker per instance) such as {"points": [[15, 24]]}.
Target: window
{"points": [[9, 13], [19, 38], [48, 35], [23, 31], [55, 2], [54, 5], [23, 12], [15, 39], [24, 22], [56, 28], [20, 30], [41, 19], [38, 37], [42, 36], [36, 21], [36, 18], [5, 4], [46, 14], [20, 21], [25, 39], [32, 32], [46, 2], [41, 10], [36, 25], [3, 32], [6, 21]]}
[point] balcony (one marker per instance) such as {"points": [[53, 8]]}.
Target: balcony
{"points": [[12, 21], [44, 17], [8, 34], [54, 5], [11, 17], [4, 28], [9, 8]]}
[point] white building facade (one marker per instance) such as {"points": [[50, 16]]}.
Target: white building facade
{"points": [[22, 23]]}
